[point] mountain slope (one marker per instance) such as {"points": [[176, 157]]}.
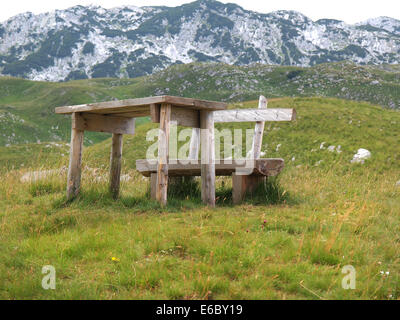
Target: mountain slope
{"points": [[27, 107], [93, 42], [321, 122]]}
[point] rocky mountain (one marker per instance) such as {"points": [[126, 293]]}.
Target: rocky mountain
{"points": [[92, 42]]}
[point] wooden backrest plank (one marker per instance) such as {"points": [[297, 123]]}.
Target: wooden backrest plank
{"points": [[254, 115]]}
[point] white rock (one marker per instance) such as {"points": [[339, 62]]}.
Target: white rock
{"points": [[318, 162], [126, 178], [361, 156]]}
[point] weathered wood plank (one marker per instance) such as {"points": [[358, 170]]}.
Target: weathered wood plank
{"points": [[163, 148], [115, 164], [258, 131], [254, 115], [242, 185], [128, 112], [195, 103], [153, 185], [75, 161], [155, 112], [181, 167], [185, 117], [207, 158], [134, 104], [104, 123]]}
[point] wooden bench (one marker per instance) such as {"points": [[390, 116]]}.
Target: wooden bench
{"points": [[246, 174]]}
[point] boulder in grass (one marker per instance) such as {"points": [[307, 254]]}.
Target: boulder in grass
{"points": [[361, 156]]}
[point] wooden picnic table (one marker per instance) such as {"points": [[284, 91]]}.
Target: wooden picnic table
{"points": [[118, 118]]}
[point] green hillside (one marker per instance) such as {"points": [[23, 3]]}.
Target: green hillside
{"points": [[290, 241], [334, 122], [27, 107]]}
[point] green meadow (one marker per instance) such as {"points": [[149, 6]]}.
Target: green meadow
{"points": [[288, 240]]}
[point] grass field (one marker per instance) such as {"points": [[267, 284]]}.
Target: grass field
{"points": [[289, 241]]}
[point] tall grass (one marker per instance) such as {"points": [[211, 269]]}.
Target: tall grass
{"points": [[288, 240]]}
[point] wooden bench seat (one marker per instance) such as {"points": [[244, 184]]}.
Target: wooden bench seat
{"points": [[261, 167]]}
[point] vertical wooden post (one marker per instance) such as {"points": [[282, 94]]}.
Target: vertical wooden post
{"points": [[115, 164], [244, 184], [238, 188], [153, 186], [163, 148], [75, 159], [258, 131], [207, 158], [155, 112]]}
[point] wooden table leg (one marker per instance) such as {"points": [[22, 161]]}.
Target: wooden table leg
{"points": [[153, 186], [163, 148], [115, 164], [244, 184], [75, 159], [258, 131], [207, 158]]}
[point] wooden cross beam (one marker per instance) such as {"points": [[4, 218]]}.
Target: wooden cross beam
{"points": [[104, 123]]}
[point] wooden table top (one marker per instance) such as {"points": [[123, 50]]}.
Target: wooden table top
{"points": [[140, 107]]}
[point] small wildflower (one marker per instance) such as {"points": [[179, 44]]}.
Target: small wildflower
{"points": [[115, 259], [265, 221]]}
